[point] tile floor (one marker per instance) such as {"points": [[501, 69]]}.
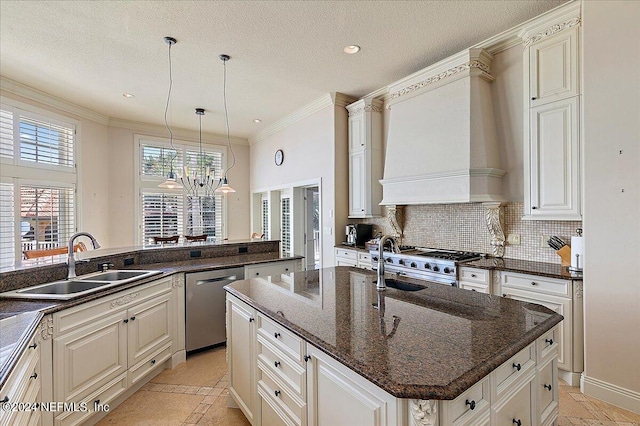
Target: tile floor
{"points": [[196, 393]]}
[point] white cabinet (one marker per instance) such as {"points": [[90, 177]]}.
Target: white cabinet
{"points": [[365, 158], [264, 270], [352, 257], [118, 339], [552, 124], [557, 295], [474, 279], [241, 357]]}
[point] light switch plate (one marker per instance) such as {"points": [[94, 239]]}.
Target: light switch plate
{"points": [[513, 239]]}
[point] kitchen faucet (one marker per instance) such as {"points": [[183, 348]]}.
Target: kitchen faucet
{"points": [[71, 260], [380, 285]]}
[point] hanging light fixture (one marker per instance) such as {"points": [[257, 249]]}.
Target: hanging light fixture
{"points": [[224, 187], [171, 182], [201, 181]]}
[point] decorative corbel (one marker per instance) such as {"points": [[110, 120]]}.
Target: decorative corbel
{"points": [[423, 412], [395, 215], [494, 215]]}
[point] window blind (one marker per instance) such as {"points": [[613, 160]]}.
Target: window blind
{"points": [[46, 143], [210, 159], [6, 134], [156, 160], [285, 215], [265, 218], [7, 225], [204, 216], [162, 216]]}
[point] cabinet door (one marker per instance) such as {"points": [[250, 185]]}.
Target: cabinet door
{"points": [[88, 358], [241, 356], [554, 162], [357, 132], [149, 327], [553, 67], [357, 183], [516, 410], [560, 305], [337, 396]]}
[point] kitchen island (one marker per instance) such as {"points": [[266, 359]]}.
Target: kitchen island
{"points": [[326, 348]]}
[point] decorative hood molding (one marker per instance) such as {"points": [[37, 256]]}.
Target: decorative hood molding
{"points": [[441, 142]]}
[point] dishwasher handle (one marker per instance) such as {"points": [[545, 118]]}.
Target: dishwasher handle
{"points": [[217, 280]]}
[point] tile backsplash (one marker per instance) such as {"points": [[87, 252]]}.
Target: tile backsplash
{"points": [[463, 227]]}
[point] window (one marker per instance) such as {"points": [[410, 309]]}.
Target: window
{"points": [[166, 212], [37, 201], [285, 215], [265, 217]]}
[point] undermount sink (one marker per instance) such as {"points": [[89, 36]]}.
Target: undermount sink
{"points": [[79, 286], [402, 285]]}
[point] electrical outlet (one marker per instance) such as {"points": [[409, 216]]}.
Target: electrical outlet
{"points": [[513, 239], [544, 239]]}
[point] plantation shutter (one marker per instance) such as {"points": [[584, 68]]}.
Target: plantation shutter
{"points": [[7, 225], [285, 215], [161, 216], [49, 212]]}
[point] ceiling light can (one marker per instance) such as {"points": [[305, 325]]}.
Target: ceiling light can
{"points": [[351, 49]]}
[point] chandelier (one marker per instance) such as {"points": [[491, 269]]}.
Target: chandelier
{"points": [[200, 181]]}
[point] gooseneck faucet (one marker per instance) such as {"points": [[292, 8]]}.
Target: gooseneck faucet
{"points": [[381, 284], [71, 260]]}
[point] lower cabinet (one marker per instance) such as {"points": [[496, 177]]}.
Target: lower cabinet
{"points": [[272, 268], [352, 257], [277, 378]]}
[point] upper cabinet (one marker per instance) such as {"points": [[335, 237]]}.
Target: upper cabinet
{"points": [[365, 158], [552, 177]]}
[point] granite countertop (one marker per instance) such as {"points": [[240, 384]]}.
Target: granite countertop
{"points": [[20, 317], [428, 344], [349, 247], [551, 270]]}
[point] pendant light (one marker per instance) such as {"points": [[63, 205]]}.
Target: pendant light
{"points": [[224, 187], [171, 182], [199, 182]]}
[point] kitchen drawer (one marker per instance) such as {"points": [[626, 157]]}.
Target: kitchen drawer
{"points": [[548, 390], [270, 387], [287, 371], [511, 374], [536, 284], [347, 254], [271, 414], [104, 396], [470, 406], [86, 313], [474, 275], [153, 361], [268, 269], [516, 408], [281, 338], [547, 345], [480, 288], [364, 260], [20, 385]]}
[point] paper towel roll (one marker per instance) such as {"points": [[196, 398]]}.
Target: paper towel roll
{"points": [[577, 252]]}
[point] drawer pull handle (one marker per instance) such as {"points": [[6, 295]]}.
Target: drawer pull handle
{"points": [[277, 393], [5, 399], [36, 405], [286, 269], [307, 358], [533, 98], [473, 289], [517, 422], [133, 318], [549, 341], [517, 366], [276, 334], [34, 376], [534, 207], [534, 283], [126, 321], [153, 362], [257, 273], [35, 345], [277, 364], [547, 387], [471, 404], [473, 275], [251, 319], [96, 402]]}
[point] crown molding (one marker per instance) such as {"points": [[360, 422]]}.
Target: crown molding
{"points": [[157, 129], [328, 99], [20, 89]]}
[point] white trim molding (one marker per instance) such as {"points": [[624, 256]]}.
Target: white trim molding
{"points": [[608, 392], [549, 24]]}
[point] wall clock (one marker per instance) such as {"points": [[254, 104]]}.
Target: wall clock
{"points": [[279, 157]]}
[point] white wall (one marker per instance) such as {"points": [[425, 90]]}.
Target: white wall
{"points": [[611, 97]]}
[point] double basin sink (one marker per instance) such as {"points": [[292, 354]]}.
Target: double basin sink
{"points": [[79, 286]]}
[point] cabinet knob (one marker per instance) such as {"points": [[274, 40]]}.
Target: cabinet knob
{"points": [[96, 402], [517, 366], [547, 387], [534, 283], [277, 393], [251, 319], [473, 289], [533, 98], [549, 341], [35, 345], [517, 422], [277, 364], [276, 334], [307, 358], [473, 275], [5, 399], [257, 273], [133, 318], [153, 362], [126, 320], [286, 269], [471, 404], [34, 376], [533, 207]]}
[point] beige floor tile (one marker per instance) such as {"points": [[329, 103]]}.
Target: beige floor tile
{"points": [[146, 408], [204, 390], [219, 414], [568, 407], [201, 369], [193, 418]]}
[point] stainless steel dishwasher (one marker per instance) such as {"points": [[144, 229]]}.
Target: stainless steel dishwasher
{"points": [[205, 306]]}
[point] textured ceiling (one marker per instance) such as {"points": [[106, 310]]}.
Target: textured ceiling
{"points": [[284, 54]]}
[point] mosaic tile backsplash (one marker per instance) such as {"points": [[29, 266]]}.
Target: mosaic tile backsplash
{"points": [[463, 227]]}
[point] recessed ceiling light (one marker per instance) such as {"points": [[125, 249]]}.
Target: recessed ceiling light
{"points": [[352, 49], [129, 95], [257, 120]]}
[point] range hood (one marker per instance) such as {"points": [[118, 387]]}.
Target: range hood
{"points": [[441, 141]]}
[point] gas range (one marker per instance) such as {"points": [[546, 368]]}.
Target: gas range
{"points": [[425, 263]]}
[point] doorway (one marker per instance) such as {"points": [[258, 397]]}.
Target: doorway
{"points": [[312, 228]]}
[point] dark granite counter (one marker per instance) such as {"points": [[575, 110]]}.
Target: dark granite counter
{"points": [[551, 270], [349, 247], [19, 317], [428, 344]]}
